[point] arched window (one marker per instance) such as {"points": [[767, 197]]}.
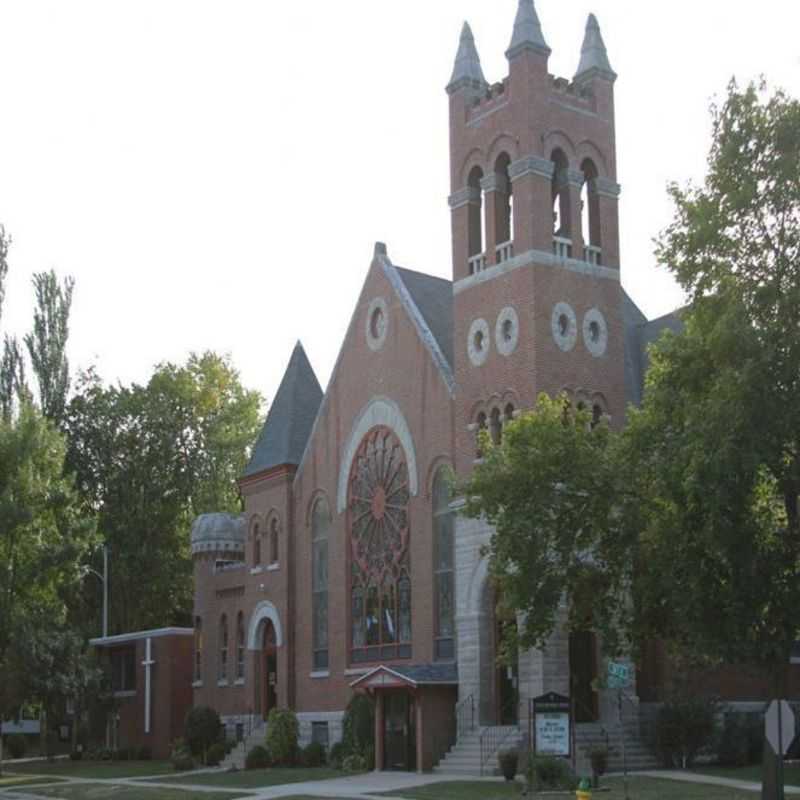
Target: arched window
{"points": [[198, 649], [503, 209], [320, 527], [240, 647], [509, 412], [256, 546], [562, 227], [476, 233], [444, 585], [380, 569], [480, 426], [590, 213], [496, 426], [274, 530], [223, 648]]}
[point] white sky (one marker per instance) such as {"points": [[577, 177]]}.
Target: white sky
{"points": [[214, 174]]}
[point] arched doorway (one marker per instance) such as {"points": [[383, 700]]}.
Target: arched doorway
{"points": [[268, 672]]}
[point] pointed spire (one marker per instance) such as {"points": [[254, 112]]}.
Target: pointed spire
{"points": [[291, 417], [594, 58], [527, 31], [467, 70]]}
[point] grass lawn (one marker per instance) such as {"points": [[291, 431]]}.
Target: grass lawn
{"points": [[639, 789], [254, 778], [791, 773], [8, 781], [91, 769], [102, 791]]}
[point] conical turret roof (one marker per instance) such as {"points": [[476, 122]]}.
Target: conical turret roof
{"points": [[467, 69], [291, 417], [527, 33], [594, 57]]}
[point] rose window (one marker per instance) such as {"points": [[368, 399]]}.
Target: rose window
{"points": [[379, 530]]}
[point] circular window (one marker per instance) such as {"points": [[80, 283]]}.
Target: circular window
{"points": [[564, 326], [595, 332], [377, 323], [506, 332], [478, 342]]}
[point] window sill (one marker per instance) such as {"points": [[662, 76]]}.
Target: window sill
{"points": [[197, 684], [256, 570], [223, 682], [273, 567], [320, 673], [125, 693], [239, 682]]}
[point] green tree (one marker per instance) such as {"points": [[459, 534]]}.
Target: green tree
{"points": [[43, 537], [47, 343], [149, 459], [551, 489], [715, 451]]}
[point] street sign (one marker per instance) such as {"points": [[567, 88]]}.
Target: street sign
{"points": [[779, 726], [619, 675]]}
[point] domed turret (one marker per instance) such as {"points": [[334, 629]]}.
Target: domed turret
{"points": [[219, 533]]}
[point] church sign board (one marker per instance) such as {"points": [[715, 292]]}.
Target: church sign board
{"points": [[552, 725]]}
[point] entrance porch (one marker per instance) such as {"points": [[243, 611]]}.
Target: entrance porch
{"points": [[414, 714]]}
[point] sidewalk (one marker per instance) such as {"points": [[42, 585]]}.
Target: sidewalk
{"points": [[712, 780]]}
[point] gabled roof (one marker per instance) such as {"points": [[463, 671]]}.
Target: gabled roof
{"points": [[291, 416], [640, 333], [434, 298], [414, 675]]}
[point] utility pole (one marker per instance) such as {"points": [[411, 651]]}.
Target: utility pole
{"points": [[104, 580]]}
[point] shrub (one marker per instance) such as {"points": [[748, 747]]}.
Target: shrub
{"points": [[75, 755], [358, 726], [16, 746], [216, 754], [181, 756], [731, 745], [549, 772], [354, 763], [144, 753], [257, 758], [598, 758], [201, 730], [741, 740], [508, 761], [685, 726], [106, 754], [336, 755], [282, 732], [314, 755]]}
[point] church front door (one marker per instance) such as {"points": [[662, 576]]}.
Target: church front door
{"points": [[269, 670]]}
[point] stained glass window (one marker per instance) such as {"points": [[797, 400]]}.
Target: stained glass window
{"points": [[380, 569], [320, 526], [444, 587]]}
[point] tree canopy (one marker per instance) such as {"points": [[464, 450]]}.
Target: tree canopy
{"points": [[149, 459]]}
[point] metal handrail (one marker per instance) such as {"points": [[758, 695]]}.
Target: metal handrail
{"points": [[465, 716], [493, 738]]}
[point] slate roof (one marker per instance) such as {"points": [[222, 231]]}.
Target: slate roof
{"points": [[291, 417], [434, 299], [639, 334]]}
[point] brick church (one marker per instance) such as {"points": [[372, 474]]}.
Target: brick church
{"points": [[351, 568]]}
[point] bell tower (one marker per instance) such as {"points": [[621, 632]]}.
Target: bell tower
{"points": [[535, 233]]}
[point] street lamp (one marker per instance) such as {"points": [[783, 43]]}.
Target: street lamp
{"points": [[104, 580]]}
